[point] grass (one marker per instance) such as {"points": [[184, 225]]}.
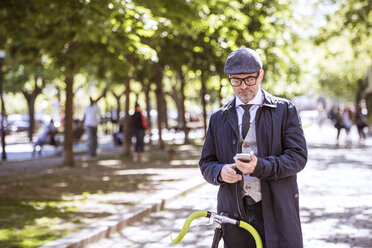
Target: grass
{"points": [[31, 223], [54, 202]]}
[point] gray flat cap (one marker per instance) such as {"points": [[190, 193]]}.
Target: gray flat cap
{"points": [[243, 61]]}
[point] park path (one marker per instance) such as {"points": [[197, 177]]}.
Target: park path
{"points": [[335, 202]]}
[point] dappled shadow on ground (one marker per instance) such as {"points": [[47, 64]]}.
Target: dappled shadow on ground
{"points": [[159, 230], [18, 217], [99, 176], [348, 227], [358, 217], [355, 157], [335, 147], [75, 196], [362, 242], [335, 203], [155, 230]]}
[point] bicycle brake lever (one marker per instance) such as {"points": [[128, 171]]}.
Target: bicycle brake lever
{"points": [[205, 223]]}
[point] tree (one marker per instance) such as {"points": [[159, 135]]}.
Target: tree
{"points": [[87, 32], [345, 43], [117, 38], [28, 76]]}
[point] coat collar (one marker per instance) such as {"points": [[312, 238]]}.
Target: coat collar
{"points": [[269, 101], [230, 112]]}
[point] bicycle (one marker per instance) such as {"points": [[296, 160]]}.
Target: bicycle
{"points": [[219, 219]]}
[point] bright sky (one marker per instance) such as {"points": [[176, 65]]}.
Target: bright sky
{"points": [[312, 13]]}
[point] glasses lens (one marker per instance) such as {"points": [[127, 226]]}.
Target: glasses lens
{"points": [[250, 80], [235, 82]]}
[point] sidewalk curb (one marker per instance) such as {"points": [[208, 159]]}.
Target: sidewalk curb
{"points": [[105, 227]]}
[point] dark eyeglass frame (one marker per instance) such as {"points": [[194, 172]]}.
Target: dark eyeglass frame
{"points": [[249, 81]]}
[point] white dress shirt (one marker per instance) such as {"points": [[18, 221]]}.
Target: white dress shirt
{"points": [[92, 115], [256, 103]]}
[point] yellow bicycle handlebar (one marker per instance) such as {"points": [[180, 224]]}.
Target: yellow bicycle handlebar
{"points": [[186, 226], [253, 231], [221, 219]]}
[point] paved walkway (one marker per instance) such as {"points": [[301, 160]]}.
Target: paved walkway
{"points": [[155, 230], [334, 199], [20, 160], [18, 147], [335, 203]]}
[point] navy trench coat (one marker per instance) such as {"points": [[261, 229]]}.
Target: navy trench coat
{"points": [[282, 153]]}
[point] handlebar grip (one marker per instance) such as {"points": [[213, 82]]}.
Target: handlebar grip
{"points": [[253, 231], [187, 223]]}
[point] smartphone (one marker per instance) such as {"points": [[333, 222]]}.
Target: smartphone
{"points": [[244, 157]]}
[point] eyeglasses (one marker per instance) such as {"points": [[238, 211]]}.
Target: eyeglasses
{"points": [[249, 81]]}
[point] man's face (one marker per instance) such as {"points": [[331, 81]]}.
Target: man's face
{"points": [[247, 92]]}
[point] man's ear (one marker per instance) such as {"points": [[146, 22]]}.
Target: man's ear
{"points": [[262, 72]]}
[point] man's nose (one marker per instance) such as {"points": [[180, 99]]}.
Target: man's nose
{"points": [[243, 85]]}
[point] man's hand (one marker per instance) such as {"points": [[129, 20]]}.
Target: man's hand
{"points": [[229, 175], [247, 167]]}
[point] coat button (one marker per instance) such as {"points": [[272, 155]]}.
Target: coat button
{"points": [[234, 141], [236, 215], [296, 196]]}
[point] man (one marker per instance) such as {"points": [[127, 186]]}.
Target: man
{"points": [[263, 191], [91, 120]]}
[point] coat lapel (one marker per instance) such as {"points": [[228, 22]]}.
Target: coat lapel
{"points": [[231, 116]]}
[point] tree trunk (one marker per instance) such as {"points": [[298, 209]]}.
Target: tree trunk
{"points": [[146, 89], [182, 105], [177, 100], [159, 101], [137, 97], [118, 109], [368, 99], [204, 103], [31, 98], [368, 94], [164, 114], [68, 140], [3, 114], [31, 113], [105, 121], [69, 136], [127, 133]]}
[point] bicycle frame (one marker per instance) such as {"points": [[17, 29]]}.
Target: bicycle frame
{"points": [[219, 219]]}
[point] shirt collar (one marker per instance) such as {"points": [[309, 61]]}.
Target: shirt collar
{"points": [[257, 100]]}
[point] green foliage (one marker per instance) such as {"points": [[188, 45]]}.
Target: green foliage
{"points": [[347, 51], [99, 35]]}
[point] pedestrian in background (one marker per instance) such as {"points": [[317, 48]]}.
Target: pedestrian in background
{"points": [[338, 122], [322, 116], [118, 137], [263, 191], [348, 122], [91, 120], [138, 126], [361, 123], [47, 136]]}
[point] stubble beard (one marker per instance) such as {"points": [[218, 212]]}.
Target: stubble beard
{"points": [[246, 95]]}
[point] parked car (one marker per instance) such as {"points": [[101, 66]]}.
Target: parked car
{"points": [[18, 122], [19, 126]]}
